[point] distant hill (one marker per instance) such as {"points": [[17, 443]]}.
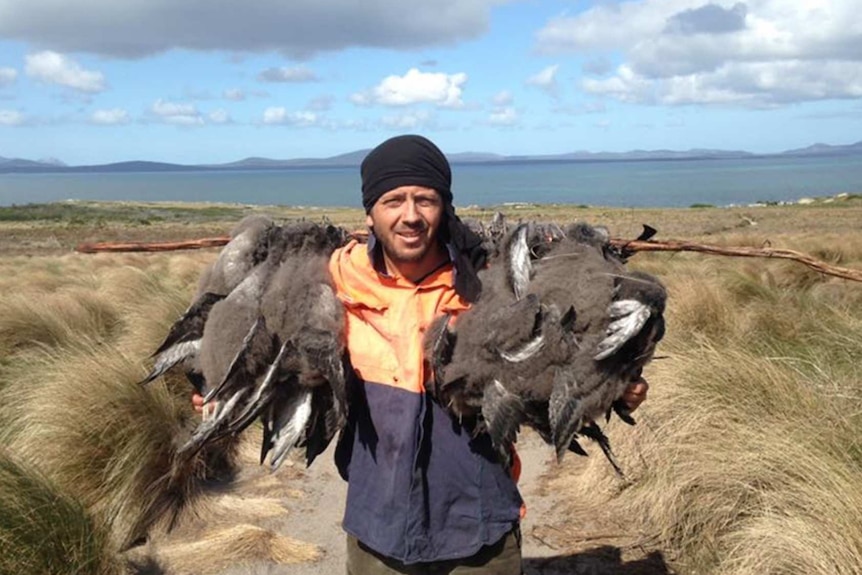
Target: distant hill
{"points": [[826, 150], [637, 155], [342, 160], [21, 163], [353, 159], [134, 166]]}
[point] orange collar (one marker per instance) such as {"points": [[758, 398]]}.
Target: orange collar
{"points": [[358, 283]]}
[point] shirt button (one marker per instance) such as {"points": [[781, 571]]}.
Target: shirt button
{"points": [[395, 378]]}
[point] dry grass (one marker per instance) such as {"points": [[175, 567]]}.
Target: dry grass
{"points": [[747, 459], [70, 406], [231, 505], [83, 420], [44, 531], [235, 546]]}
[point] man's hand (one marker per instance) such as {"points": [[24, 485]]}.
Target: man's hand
{"points": [[198, 402], [635, 394]]}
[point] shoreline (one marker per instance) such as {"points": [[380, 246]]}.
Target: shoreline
{"points": [[837, 199]]}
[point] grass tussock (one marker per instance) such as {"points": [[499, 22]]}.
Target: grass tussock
{"points": [[238, 545], [70, 405], [58, 319], [43, 530], [230, 505], [98, 434]]}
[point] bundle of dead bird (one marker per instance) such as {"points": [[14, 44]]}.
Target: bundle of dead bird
{"points": [[263, 339], [561, 329]]}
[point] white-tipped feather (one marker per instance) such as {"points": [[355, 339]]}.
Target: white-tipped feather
{"points": [[624, 307], [224, 408], [524, 353], [175, 354], [520, 268], [288, 435], [630, 317], [265, 384]]}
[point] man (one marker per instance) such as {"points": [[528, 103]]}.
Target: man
{"points": [[424, 496]]}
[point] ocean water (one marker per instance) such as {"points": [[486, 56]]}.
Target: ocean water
{"points": [[620, 184]]}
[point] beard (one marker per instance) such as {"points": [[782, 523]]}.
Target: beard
{"points": [[398, 253]]}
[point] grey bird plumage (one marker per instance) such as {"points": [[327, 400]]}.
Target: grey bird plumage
{"points": [[561, 329], [272, 349], [246, 249]]}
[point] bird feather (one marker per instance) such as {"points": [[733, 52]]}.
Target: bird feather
{"points": [[238, 359], [502, 412], [519, 264], [170, 357], [564, 411], [629, 318], [289, 427]]}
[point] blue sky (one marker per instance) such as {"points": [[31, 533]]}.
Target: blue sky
{"points": [[196, 81]]}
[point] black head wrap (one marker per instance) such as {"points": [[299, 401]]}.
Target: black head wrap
{"points": [[404, 161], [415, 161]]}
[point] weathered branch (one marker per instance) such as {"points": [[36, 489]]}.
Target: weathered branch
{"points": [[198, 244], [741, 251], [631, 245]]}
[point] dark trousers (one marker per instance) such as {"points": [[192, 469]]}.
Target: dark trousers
{"points": [[500, 558]]}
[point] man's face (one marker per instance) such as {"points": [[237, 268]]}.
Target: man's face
{"points": [[405, 221]]}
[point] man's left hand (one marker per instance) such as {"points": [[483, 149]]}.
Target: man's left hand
{"points": [[635, 394]]}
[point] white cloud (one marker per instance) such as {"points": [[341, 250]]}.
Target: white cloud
{"points": [[415, 87], [281, 116], [502, 98], [11, 118], [219, 116], [320, 103], [135, 28], [546, 80], [744, 52], [54, 68], [408, 121], [752, 84], [288, 74], [506, 116], [7, 76], [234, 95], [180, 114], [110, 117]]}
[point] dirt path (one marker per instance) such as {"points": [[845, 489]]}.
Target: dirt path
{"points": [[307, 505], [317, 516]]}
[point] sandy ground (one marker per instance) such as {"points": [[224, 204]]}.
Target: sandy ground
{"points": [[307, 505]]}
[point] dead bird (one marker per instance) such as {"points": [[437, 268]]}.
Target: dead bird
{"points": [[559, 332], [246, 250], [273, 349]]}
